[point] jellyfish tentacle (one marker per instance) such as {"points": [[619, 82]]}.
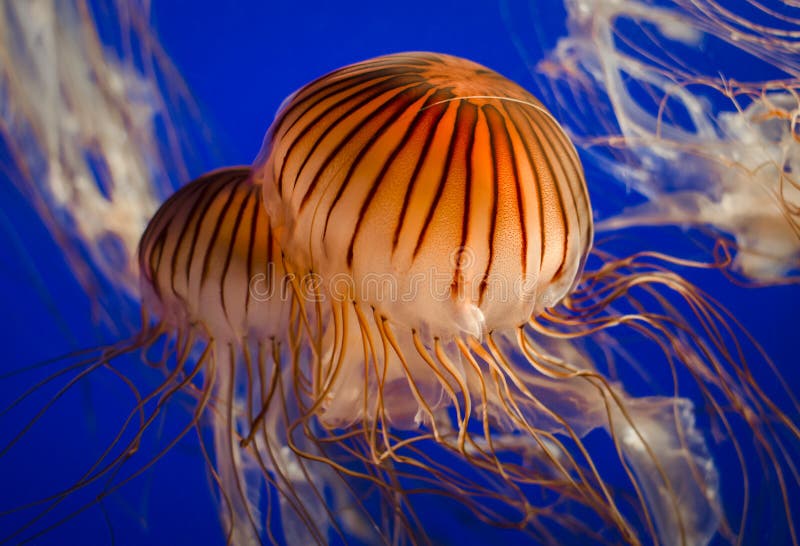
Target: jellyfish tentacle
{"points": [[241, 521], [97, 471]]}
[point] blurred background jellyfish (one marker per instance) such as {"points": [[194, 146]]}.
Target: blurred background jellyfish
{"points": [[634, 404], [694, 106], [95, 132]]}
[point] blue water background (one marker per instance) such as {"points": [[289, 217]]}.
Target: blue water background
{"points": [[240, 62]]}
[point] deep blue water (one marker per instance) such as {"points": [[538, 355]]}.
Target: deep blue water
{"points": [[240, 63]]}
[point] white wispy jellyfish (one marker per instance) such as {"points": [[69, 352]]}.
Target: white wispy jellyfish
{"points": [[707, 143]]}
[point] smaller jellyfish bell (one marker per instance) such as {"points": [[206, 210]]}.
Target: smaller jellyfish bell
{"points": [[430, 188], [209, 262]]}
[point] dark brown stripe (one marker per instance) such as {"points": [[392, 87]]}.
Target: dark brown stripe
{"points": [[331, 88], [198, 205], [158, 227], [401, 107], [537, 181], [554, 134], [152, 271], [347, 95], [577, 179], [432, 99], [518, 189], [201, 213], [214, 235], [255, 191], [442, 179], [488, 110], [540, 141], [371, 92], [438, 113], [555, 130], [231, 245], [472, 114], [344, 142]]}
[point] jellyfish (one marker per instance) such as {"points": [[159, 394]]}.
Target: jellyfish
{"points": [[211, 270], [215, 302], [480, 353], [443, 216]]}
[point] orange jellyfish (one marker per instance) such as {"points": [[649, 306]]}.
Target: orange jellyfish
{"points": [[211, 271], [435, 221], [216, 305]]}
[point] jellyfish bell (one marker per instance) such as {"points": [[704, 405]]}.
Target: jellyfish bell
{"points": [[201, 255], [438, 174]]}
